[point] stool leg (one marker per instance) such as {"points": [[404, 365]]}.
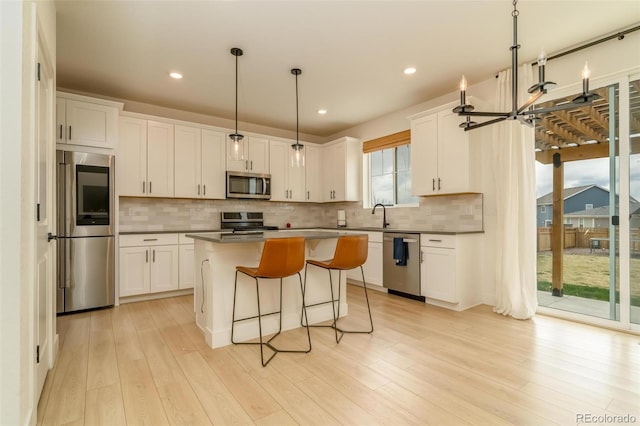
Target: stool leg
{"points": [[304, 289], [334, 325], [366, 295], [264, 364], [304, 311]]}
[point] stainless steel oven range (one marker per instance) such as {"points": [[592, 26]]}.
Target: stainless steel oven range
{"points": [[86, 245]]}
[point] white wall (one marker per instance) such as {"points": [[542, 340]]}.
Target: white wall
{"points": [[17, 245]]}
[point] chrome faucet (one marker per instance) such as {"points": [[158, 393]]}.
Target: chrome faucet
{"points": [[384, 214]]}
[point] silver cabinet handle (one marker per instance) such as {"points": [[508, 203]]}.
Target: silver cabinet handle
{"points": [[204, 189], [421, 256], [69, 132], [435, 241], [143, 186], [246, 164], [61, 132], [251, 163], [146, 256], [150, 187], [264, 186], [198, 189], [150, 239], [433, 181], [154, 256], [438, 184], [307, 195]]}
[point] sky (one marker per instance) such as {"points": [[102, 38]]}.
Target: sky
{"points": [[586, 172]]}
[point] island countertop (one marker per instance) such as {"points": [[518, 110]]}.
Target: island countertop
{"points": [[258, 236]]}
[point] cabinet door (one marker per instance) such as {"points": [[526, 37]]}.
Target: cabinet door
{"points": [[91, 124], [131, 162], [134, 271], [164, 268], [313, 174], [258, 154], [187, 275], [334, 172], [280, 168], [424, 155], [61, 120], [453, 154], [187, 156], [160, 159], [373, 266], [295, 179], [213, 165], [438, 276]]}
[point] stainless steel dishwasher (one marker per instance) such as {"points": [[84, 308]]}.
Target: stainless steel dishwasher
{"points": [[399, 279]]}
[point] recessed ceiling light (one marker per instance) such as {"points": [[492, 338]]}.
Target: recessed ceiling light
{"points": [[322, 111], [409, 71], [175, 75]]}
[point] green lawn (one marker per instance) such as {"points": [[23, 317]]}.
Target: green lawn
{"points": [[586, 276]]}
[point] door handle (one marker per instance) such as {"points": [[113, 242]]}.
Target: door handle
{"points": [[69, 132], [204, 189], [421, 256], [307, 195], [50, 237], [251, 165], [246, 164], [433, 182], [438, 184], [150, 239], [264, 186], [61, 132], [146, 256], [154, 256], [143, 186], [150, 187], [198, 189]]}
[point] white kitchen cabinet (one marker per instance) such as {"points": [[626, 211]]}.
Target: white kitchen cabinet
{"points": [[449, 269], [373, 266], [148, 264], [313, 174], [199, 163], [145, 158], [287, 181], [255, 155], [341, 165], [86, 121], [186, 274], [439, 154]]}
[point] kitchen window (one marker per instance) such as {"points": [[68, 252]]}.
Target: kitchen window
{"points": [[390, 176]]}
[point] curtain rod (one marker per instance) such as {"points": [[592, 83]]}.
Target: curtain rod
{"points": [[619, 35]]}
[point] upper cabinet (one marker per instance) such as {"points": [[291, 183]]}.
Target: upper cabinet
{"points": [[313, 174], [255, 155], [439, 153], [145, 158], [86, 121], [199, 157], [287, 181], [341, 165]]}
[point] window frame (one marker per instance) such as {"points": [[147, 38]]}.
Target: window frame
{"points": [[367, 178]]}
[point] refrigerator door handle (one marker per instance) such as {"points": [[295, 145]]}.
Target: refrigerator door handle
{"points": [[62, 243], [68, 264]]}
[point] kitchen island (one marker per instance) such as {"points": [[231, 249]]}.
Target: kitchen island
{"points": [[216, 256]]}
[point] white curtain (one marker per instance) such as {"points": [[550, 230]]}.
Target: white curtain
{"points": [[514, 171]]}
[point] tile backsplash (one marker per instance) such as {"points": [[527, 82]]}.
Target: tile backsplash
{"points": [[454, 213]]}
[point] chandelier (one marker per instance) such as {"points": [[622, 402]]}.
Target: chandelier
{"points": [[525, 113]]}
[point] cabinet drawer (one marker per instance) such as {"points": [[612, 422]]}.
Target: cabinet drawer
{"points": [[183, 239], [148, 240], [438, 240]]}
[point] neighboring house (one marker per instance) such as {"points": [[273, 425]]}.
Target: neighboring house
{"points": [[576, 199], [599, 217]]}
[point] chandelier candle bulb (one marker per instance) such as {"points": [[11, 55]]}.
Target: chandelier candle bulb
{"points": [[585, 78], [542, 61], [463, 89]]}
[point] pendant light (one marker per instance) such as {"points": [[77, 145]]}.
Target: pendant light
{"points": [[237, 148], [297, 149]]}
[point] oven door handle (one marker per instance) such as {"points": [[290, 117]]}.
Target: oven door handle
{"points": [[264, 186]]}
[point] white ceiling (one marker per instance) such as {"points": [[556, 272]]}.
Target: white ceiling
{"points": [[352, 53]]}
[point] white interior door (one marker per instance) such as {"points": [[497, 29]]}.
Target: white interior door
{"points": [[45, 251]]}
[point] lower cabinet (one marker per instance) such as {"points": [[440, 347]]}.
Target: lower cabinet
{"points": [[373, 266], [449, 269], [186, 248], [149, 263]]}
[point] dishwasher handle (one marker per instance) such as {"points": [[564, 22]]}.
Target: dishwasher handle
{"points": [[404, 240]]}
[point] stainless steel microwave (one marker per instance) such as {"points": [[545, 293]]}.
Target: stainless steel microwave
{"points": [[248, 185]]}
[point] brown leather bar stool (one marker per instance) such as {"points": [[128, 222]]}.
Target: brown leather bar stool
{"points": [[351, 252], [281, 258]]}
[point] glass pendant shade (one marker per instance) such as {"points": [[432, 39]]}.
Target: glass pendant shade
{"points": [[297, 155]]}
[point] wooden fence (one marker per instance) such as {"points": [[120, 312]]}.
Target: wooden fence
{"points": [[584, 238]]}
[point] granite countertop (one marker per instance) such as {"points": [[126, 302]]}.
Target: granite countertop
{"points": [[349, 228], [405, 231], [256, 237]]}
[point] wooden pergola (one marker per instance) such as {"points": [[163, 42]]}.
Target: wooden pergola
{"points": [[572, 135]]}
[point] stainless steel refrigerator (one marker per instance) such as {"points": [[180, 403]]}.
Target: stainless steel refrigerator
{"points": [[86, 243]]}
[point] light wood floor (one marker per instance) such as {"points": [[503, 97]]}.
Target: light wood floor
{"points": [[146, 363]]}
